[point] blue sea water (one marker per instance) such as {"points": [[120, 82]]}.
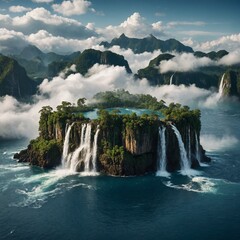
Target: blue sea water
{"points": [[57, 204]]}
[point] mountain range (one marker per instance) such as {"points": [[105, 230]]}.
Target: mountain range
{"points": [[20, 74]]}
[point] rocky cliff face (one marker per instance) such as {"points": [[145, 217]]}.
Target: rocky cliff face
{"points": [[125, 145], [230, 84], [14, 80]]}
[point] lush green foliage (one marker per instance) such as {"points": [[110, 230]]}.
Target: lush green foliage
{"points": [[122, 98]]}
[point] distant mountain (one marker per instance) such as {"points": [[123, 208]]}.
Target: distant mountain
{"points": [[90, 57], [37, 62], [14, 80], [212, 55], [148, 44]]}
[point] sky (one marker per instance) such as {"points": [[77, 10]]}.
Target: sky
{"points": [[71, 25]]}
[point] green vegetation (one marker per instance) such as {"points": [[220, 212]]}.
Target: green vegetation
{"points": [[122, 98]]}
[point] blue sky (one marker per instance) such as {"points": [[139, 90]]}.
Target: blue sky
{"points": [[192, 22]]}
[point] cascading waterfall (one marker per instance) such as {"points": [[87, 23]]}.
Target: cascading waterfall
{"points": [[66, 144], [85, 152], [221, 86], [171, 80], [73, 160], [162, 158], [87, 148], [94, 155], [189, 144], [185, 164], [198, 156]]}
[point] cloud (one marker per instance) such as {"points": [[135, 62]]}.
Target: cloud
{"points": [[42, 19], [42, 1], [135, 61], [229, 43], [11, 41], [185, 23], [133, 26], [19, 9], [199, 33], [49, 43], [231, 59], [213, 143], [184, 62], [72, 7]]}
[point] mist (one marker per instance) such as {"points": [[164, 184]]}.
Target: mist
{"points": [[213, 143]]}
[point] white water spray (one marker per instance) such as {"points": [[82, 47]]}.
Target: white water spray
{"points": [[185, 164], [162, 158], [66, 144]]}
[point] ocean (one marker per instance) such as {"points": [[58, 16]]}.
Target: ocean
{"points": [[58, 204]]}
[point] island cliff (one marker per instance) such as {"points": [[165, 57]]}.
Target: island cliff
{"points": [[116, 144]]}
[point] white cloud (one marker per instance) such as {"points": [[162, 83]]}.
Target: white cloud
{"points": [[72, 7], [134, 26], [231, 59], [49, 43], [185, 62], [19, 9], [42, 19], [42, 1], [11, 41], [135, 61], [229, 43], [185, 23]]}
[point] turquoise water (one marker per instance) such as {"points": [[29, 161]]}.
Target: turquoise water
{"points": [[139, 112], [38, 204]]}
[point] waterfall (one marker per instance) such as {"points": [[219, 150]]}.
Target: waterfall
{"points": [[171, 80], [189, 144], [185, 164], [94, 155], [198, 156], [85, 152], [221, 86], [66, 144], [87, 143], [162, 158], [73, 160]]}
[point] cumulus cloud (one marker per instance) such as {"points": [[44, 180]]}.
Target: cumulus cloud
{"points": [[19, 9], [50, 43], [11, 41], [185, 62], [133, 26], [72, 7], [229, 43], [42, 19]]}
